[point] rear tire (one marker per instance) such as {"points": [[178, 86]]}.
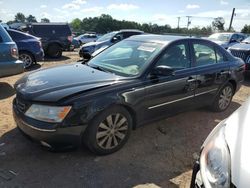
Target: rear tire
{"points": [[54, 51], [108, 131], [223, 98], [27, 58]]}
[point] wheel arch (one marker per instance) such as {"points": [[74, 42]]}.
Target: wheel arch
{"points": [[127, 107], [234, 84], [131, 112], [29, 52], [54, 42]]}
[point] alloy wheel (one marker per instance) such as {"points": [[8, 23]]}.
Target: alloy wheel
{"points": [[225, 97], [112, 131], [27, 59]]}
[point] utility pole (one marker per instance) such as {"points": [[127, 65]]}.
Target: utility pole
{"points": [[188, 21], [231, 21], [178, 22]]}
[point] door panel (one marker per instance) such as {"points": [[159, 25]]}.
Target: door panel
{"points": [[167, 95]]}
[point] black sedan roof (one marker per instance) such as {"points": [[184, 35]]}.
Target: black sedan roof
{"points": [[162, 39]]}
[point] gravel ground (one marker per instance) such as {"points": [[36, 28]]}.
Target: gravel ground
{"points": [[157, 155]]}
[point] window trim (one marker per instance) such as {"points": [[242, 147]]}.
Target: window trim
{"points": [[225, 59], [205, 43]]}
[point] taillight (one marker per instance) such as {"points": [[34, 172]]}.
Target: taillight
{"points": [[70, 38], [246, 67], [14, 52]]}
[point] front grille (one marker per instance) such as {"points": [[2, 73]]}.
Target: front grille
{"points": [[244, 55], [21, 105], [248, 59]]}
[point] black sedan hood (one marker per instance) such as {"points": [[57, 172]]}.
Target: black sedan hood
{"points": [[53, 84]]}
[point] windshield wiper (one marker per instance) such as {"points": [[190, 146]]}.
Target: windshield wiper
{"points": [[98, 68]]}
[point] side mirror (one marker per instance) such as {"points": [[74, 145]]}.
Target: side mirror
{"points": [[233, 40], [163, 70], [115, 39], [86, 56]]}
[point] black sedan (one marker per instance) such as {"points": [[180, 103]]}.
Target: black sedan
{"points": [[133, 82], [242, 50]]}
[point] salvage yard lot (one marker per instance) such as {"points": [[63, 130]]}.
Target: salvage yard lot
{"points": [[160, 154]]}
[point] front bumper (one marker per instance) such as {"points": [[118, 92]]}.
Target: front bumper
{"points": [[196, 181], [48, 134], [39, 56]]}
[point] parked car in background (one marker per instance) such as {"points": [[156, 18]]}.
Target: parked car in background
{"points": [[87, 37], [138, 80], [4, 25], [9, 63], [224, 158], [242, 50], [29, 47], [55, 37], [74, 44], [227, 39], [107, 40]]}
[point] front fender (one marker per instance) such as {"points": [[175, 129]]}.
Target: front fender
{"points": [[85, 109]]}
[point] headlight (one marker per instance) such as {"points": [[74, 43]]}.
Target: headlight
{"points": [[215, 160], [53, 114]]}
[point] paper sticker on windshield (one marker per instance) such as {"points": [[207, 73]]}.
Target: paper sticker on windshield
{"points": [[146, 48]]}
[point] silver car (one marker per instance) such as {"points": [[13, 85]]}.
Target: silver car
{"points": [[9, 63], [225, 155], [227, 39]]}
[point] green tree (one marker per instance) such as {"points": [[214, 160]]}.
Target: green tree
{"points": [[246, 29], [218, 24], [76, 24], [105, 23], [19, 17], [31, 19], [45, 20]]}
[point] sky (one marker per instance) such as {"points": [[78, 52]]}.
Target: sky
{"points": [[161, 12]]}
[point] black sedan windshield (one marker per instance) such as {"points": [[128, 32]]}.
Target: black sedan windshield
{"points": [[126, 58], [106, 37], [247, 40], [220, 37]]}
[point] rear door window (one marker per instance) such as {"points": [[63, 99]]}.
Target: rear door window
{"points": [[204, 54], [58, 30]]}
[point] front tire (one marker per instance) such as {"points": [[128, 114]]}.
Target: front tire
{"points": [[223, 98], [108, 131]]}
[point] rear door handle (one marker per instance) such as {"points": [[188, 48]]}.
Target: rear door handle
{"points": [[223, 72], [191, 80]]}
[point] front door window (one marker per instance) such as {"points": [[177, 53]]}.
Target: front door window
{"points": [[176, 57]]}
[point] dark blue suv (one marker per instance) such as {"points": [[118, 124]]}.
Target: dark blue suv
{"points": [[29, 47], [9, 63]]}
